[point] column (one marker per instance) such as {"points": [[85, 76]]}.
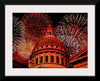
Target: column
{"points": [[43, 57], [34, 60], [38, 58], [49, 58], [59, 58], [55, 57], [29, 64]]}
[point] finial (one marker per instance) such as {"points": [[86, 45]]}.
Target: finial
{"points": [[49, 31], [50, 25]]}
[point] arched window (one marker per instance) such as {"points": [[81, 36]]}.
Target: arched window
{"points": [[46, 60], [36, 60], [57, 58], [51, 45], [49, 32], [62, 60], [41, 59], [52, 58]]}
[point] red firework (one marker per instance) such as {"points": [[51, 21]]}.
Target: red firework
{"points": [[34, 25], [18, 58]]}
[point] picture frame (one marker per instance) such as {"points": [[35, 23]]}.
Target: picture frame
{"points": [[38, 2]]}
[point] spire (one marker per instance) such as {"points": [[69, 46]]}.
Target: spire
{"points": [[49, 31]]}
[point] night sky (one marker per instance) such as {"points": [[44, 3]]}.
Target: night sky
{"points": [[55, 17]]}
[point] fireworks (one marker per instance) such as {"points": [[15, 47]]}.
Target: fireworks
{"points": [[31, 28], [24, 47], [35, 24], [19, 59], [79, 20], [16, 28], [72, 31]]}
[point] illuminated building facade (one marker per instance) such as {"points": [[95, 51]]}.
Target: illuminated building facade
{"points": [[49, 52], [62, 48]]}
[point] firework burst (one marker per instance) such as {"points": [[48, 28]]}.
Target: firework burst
{"points": [[79, 20], [16, 28], [72, 31], [24, 47], [35, 24]]}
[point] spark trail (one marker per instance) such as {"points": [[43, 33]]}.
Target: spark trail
{"points": [[16, 28], [72, 32]]}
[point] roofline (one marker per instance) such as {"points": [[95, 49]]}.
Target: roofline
{"points": [[80, 52]]}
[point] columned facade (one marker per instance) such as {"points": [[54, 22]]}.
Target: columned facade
{"points": [[49, 52], [48, 57]]}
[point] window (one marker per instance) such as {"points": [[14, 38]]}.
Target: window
{"points": [[49, 32], [62, 54], [52, 58], [42, 47], [57, 59], [51, 45], [41, 59], [46, 59], [62, 60], [36, 60], [47, 46]]}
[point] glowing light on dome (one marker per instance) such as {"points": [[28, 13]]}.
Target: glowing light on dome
{"points": [[72, 32]]}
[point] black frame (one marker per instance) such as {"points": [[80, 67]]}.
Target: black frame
{"points": [[35, 2]]}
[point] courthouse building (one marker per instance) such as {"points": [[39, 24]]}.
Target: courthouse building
{"points": [[49, 52]]}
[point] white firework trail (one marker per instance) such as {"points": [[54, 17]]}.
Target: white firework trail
{"points": [[72, 32], [16, 28]]}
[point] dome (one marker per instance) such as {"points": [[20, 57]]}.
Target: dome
{"points": [[49, 52], [49, 39]]}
